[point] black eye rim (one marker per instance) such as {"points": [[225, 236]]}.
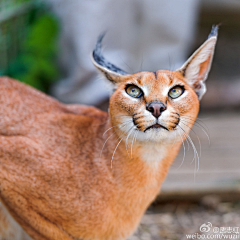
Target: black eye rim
{"points": [[180, 86], [132, 85]]}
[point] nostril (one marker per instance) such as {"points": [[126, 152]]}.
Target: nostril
{"points": [[151, 109], [162, 108]]}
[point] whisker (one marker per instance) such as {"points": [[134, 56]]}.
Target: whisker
{"points": [[108, 139], [174, 139], [132, 144], [126, 143], [195, 157], [116, 126], [118, 116], [104, 144], [183, 151], [201, 127], [115, 151], [186, 135], [136, 137], [118, 144], [196, 121], [186, 141], [125, 63], [201, 123], [200, 146]]}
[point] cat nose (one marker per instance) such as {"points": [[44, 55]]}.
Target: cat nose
{"points": [[156, 108]]}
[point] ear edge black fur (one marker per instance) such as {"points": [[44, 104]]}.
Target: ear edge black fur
{"points": [[100, 60]]}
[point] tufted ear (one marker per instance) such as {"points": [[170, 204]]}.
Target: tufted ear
{"points": [[111, 72], [197, 67]]}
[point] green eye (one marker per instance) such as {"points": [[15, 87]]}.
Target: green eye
{"points": [[175, 92], [134, 91]]}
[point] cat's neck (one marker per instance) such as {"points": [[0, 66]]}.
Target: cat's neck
{"points": [[135, 158], [138, 174]]}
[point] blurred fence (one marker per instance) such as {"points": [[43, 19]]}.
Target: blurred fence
{"points": [[28, 42], [14, 18]]}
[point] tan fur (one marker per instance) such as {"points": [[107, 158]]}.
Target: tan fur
{"points": [[74, 172], [54, 181]]}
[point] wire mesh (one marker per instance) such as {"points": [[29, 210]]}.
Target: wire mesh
{"points": [[14, 16]]}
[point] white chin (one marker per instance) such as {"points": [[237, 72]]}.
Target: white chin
{"points": [[154, 135]]}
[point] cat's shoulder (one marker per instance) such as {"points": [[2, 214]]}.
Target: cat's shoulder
{"points": [[17, 97], [88, 111]]}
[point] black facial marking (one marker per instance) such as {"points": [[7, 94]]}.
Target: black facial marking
{"points": [[177, 122], [177, 119], [98, 57], [156, 126], [155, 73]]}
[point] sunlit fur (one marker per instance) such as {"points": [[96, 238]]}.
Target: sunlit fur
{"points": [[66, 173], [74, 172]]}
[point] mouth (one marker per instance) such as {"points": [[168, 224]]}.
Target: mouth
{"points": [[155, 126]]}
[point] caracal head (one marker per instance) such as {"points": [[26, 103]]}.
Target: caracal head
{"points": [[157, 106]]}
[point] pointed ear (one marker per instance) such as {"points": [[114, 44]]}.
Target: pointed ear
{"points": [[197, 67], [111, 72]]}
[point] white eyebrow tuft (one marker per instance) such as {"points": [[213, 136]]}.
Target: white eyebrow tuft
{"points": [[146, 90]]}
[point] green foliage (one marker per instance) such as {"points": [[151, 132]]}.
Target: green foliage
{"points": [[36, 64]]}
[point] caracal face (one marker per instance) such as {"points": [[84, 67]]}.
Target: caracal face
{"points": [[157, 106]]}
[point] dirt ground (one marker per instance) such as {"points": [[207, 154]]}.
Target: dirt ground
{"points": [[173, 221]]}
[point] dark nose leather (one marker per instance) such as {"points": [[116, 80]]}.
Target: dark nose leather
{"points": [[156, 108]]}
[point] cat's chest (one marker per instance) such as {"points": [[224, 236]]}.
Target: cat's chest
{"points": [[153, 154]]}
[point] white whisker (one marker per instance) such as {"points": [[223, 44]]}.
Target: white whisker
{"points": [[132, 143], [200, 146], [111, 136], [116, 126], [195, 157], [183, 150], [126, 143], [199, 126], [174, 139], [115, 151]]}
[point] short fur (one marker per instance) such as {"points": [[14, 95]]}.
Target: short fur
{"points": [[75, 172]]}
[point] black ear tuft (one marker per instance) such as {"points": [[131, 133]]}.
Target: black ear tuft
{"points": [[214, 31], [98, 57]]}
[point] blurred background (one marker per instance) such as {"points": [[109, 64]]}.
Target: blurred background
{"points": [[47, 45]]}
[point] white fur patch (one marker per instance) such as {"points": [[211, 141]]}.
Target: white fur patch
{"points": [[153, 153], [146, 90]]}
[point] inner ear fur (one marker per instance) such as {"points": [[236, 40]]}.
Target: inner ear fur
{"points": [[195, 70], [113, 73]]}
